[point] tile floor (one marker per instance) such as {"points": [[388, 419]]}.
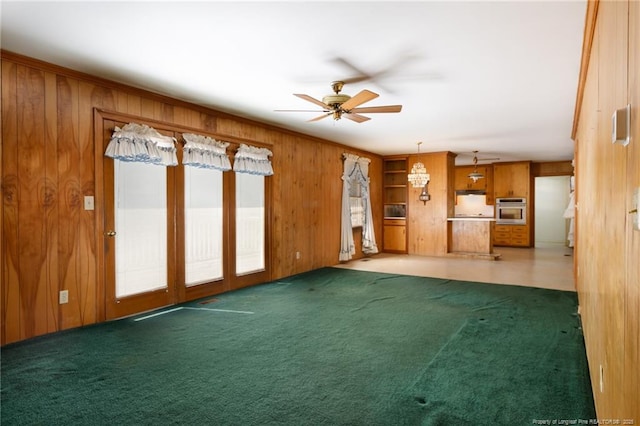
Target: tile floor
{"points": [[545, 266]]}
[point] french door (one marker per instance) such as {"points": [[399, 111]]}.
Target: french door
{"points": [[174, 234]]}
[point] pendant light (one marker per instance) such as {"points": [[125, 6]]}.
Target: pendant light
{"points": [[419, 178], [475, 175]]}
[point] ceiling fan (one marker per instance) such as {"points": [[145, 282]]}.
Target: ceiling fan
{"points": [[338, 104]]}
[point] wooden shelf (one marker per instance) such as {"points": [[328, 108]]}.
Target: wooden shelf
{"points": [[394, 201]]}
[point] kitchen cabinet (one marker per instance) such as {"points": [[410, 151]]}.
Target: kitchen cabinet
{"points": [[395, 186], [471, 237], [512, 179], [512, 235], [463, 183], [395, 236]]}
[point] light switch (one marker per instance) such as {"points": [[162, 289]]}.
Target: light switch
{"points": [[88, 202], [621, 126]]}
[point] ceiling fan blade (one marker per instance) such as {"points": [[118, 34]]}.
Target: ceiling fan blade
{"points": [[312, 100], [385, 108], [360, 98], [346, 63], [356, 117], [357, 79], [359, 76], [320, 117]]}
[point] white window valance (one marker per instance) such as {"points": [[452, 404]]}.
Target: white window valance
{"points": [[253, 160], [141, 143], [205, 152]]}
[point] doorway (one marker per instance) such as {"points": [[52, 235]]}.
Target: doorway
{"points": [[178, 233], [552, 198]]}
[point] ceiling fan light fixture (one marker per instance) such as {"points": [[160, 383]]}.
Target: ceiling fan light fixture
{"points": [[335, 100]]}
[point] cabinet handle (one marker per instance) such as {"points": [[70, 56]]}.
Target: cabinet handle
{"points": [[110, 233]]}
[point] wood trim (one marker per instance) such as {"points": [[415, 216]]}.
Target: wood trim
{"points": [[587, 41], [99, 225], [179, 216], [2, 194], [238, 281], [157, 124]]}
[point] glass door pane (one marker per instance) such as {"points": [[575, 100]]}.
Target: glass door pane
{"points": [[250, 223], [141, 223], [203, 225]]}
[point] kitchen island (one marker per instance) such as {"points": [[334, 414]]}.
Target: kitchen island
{"points": [[471, 236]]}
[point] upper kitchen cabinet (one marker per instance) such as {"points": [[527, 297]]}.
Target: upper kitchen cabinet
{"points": [[464, 183], [512, 179]]}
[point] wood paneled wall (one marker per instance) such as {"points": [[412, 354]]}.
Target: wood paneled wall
{"points": [[48, 165], [551, 168], [427, 226], [607, 247]]}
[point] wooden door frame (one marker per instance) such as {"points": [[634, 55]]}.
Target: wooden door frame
{"points": [[252, 278], [185, 293], [230, 280], [117, 307]]}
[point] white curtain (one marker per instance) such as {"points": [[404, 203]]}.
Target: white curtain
{"points": [[570, 213], [356, 171], [143, 144], [253, 160], [204, 152]]}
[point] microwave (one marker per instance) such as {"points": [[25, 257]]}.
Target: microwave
{"points": [[511, 211]]}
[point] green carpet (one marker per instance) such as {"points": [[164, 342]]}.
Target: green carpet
{"points": [[328, 347]]}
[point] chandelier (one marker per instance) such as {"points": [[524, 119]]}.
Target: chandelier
{"points": [[419, 176]]}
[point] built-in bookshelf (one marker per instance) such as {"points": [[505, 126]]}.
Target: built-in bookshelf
{"points": [[395, 188], [395, 204]]}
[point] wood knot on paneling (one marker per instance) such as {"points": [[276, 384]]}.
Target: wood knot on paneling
{"points": [[10, 191], [47, 193]]}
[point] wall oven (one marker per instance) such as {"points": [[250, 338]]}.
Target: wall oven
{"points": [[511, 211]]}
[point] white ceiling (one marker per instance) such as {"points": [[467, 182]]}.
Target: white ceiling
{"points": [[497, 77]]}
